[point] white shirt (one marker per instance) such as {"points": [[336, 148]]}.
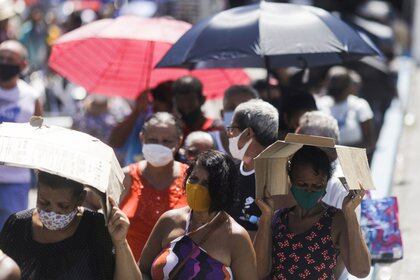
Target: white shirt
{"points": [[336, 192], [16, 105], [349, 115]]}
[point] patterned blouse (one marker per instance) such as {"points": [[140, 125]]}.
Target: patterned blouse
{"points": [[308, 255]]}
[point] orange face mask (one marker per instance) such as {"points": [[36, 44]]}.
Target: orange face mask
{"points": [[198, 197]]}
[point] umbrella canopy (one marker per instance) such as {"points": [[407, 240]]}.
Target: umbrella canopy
{"points": [[117, 57], [64, 152], [268, 35]]}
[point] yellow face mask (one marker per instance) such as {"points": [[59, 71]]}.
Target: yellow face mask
{"points": [[198, 197]]}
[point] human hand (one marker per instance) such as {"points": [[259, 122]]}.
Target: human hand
{"points": [[118, 224], [353, 200], [143, 101], [266, 205]]}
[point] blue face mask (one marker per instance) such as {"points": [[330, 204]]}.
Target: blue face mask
{"points": [[305, 199]]}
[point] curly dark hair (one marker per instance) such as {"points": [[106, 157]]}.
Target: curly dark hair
{"points": [[314, 157], [222, 178]]}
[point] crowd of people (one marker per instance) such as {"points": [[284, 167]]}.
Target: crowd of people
{"points": [[189, 208]]}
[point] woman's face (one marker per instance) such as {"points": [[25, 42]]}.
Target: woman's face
{"points": [[162, 134], [58, 200], [305, 177], [200, 176]]}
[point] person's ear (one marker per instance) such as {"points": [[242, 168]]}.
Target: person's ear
{"points": [[222, 113], [250, 133], [141, 137]]}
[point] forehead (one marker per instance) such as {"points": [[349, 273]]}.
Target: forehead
{"points": [[163, 129], [55, 194], [306, 174]]}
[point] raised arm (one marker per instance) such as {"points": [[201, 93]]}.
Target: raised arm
{"points": [[244, 263], [125, 265], [121, 132], [263, 240], [349, 240]]}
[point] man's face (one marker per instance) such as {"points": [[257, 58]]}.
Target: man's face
{"points": [[187, 103]]}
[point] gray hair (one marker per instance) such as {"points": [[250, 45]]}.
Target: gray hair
{"points": [[198, 136], [262, 117], [319, 124], [163, 118]]}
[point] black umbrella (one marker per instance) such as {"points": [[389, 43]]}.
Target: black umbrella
{"points": [[268, 35]]}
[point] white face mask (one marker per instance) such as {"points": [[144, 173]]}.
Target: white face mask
{"points": [[157, 155], [233, 147], [227, 118], [54, 221]]}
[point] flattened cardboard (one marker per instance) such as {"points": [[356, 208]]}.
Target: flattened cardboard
{"points": [[355, 167], [271, 164], [64, 152]]}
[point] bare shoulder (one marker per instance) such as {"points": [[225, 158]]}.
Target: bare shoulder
{"points": [[238, 233], [175, 216]]}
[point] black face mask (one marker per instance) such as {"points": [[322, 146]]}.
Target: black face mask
{"points": [[191, 117], [8, 71]]}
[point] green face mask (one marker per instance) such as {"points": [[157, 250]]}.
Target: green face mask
{"points": [[305, 199]]}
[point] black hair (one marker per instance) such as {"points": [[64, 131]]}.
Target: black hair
{"points": [[222, 178], [298, 101], [314, 157], [163, 92], [58, 182], [188, 84], [242, 89]]}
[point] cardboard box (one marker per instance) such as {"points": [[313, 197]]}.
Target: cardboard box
{"points": [[271, 164], [64, 152]]}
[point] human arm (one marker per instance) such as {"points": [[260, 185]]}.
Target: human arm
{"points": [[263, 240], [348, 238], [9, 270], [125, 265], [38, 111], [243, 259], [122, 131], [153, 245]]}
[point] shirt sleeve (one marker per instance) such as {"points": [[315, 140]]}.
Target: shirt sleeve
{"points": [[364, 112]]}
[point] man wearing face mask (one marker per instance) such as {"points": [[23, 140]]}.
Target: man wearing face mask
{"points": [[254, 127], [233, 96], [188, 97], [18, 102], [155, 184]]}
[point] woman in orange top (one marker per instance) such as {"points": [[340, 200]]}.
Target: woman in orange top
{"points": [[154, 185]]}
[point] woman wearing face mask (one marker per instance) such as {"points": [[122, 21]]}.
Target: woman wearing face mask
{"points": [[201, 241], [154, 185], [305, 241], [59, 239]]}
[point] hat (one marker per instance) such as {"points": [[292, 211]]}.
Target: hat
{"points": [[6, 9]]}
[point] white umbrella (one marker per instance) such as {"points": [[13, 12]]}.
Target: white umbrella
{"points": [[64, 152]]}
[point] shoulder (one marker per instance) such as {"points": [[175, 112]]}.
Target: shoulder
{"points": [[324, 102], [93, 216], [358, 102], [178, 215], [19, 218], [239, 234]]}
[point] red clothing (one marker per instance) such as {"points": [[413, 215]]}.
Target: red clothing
{"points": [[144, 205]]}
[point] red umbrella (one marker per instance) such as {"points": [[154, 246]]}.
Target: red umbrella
{"points": [[117, 57]]}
